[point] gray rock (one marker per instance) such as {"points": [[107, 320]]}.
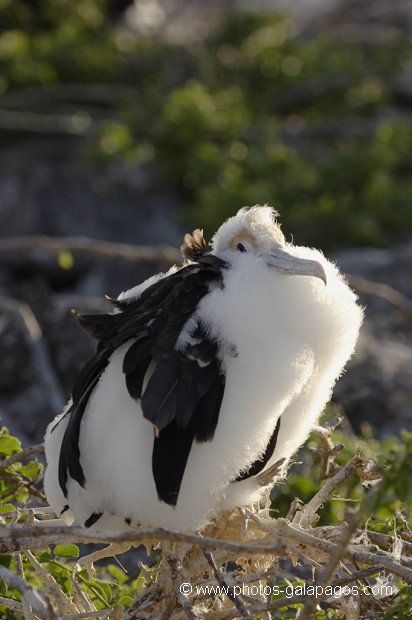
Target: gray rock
{"points": [[46, 188], [29, 391], [377, 387]]}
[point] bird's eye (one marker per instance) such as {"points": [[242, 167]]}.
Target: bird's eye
{"points": [[240, 247]]}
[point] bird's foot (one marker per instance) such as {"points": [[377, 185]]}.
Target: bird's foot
{"points": [[269, 475]]}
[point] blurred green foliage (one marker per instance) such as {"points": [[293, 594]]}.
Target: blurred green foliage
{"points": [[18, 482], [297, 123], [53, 42], [259, 113]]}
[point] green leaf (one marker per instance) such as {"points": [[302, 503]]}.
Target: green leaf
{"points": [[9, 445], [104, 589], [6, 560], [32, 470], [22, 495], [44, 556], [67, 551], [125, 600], [61, 573], [401, 606], [139, 583], [117, 573]]}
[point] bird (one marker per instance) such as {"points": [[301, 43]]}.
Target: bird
{"points": [[204, 378]]}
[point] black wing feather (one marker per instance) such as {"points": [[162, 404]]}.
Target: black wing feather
{"points": [[261, 462], [135, 365], [207, 414], [159, 401], [135, 379], [69, 461], [185, 390], [171, 450], [188, 398]]}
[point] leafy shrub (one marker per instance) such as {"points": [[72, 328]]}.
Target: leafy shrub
{"points": [[258, 114], [295, 123]]}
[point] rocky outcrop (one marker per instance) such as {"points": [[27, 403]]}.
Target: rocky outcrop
{"points": [[377, 387], [45, 188]]}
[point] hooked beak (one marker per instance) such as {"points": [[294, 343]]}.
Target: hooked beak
{"points": [[292, 265]]}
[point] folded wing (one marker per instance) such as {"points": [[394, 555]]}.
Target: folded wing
{"points": [[180, 384]]}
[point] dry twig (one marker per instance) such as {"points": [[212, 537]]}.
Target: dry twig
{"points": [[89, 247]]}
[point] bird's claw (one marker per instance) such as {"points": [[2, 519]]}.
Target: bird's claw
{"points": [[269, 475]]}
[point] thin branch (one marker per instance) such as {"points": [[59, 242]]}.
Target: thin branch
{"points": [[270, 529], [90, 247], [20, 456], [365, 469], [384, 291], [386, 541], [261, 607], [39, 605], [330, 567], [20, 573], [44, 513], [88, 93], [86, 614], [71, 124], [353, 553], [111, 550], [178, 579], [237, 601], [357, 576], [63, 602], [10, 603], [17, 538], [308, 514]]}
